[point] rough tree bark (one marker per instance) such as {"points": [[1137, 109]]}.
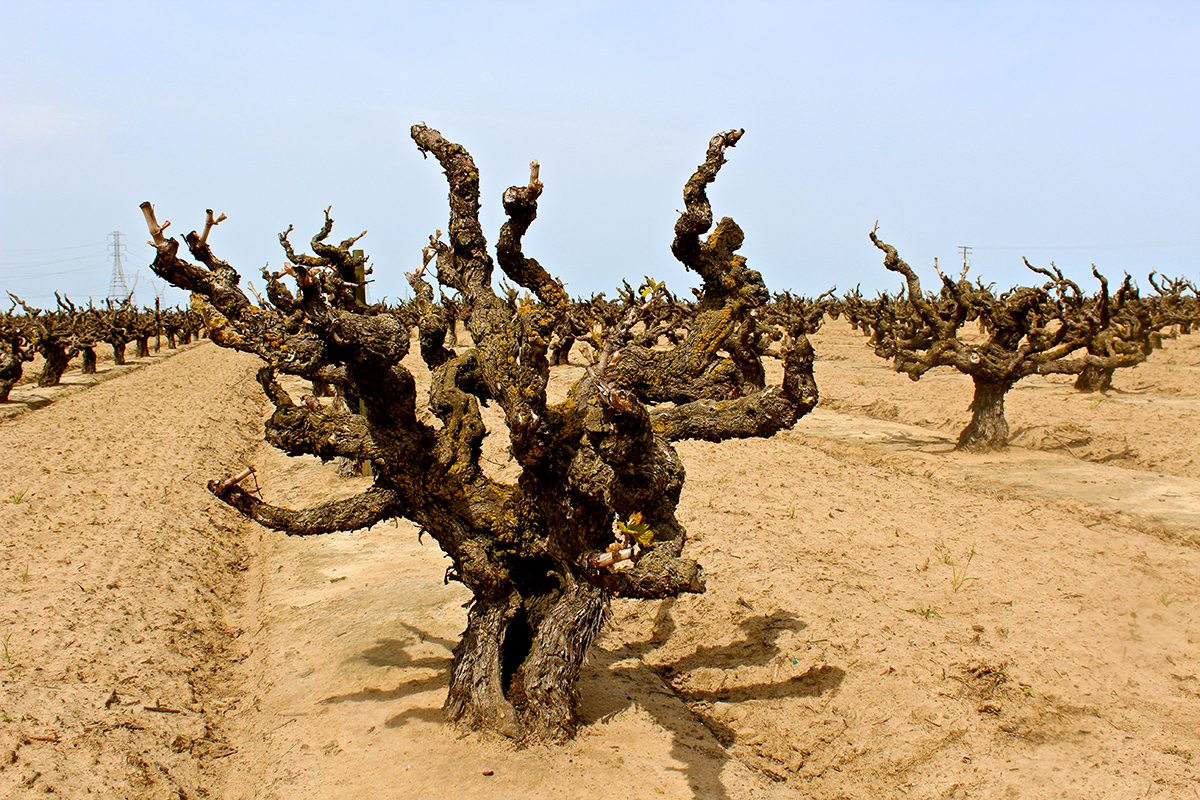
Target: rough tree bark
{"points": [[11, 367], [988, 429], [54, 335], [1030, 331], [14, 352], [541, 555]]}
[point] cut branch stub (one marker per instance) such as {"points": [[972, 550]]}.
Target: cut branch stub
{"points": [[221, 486], [157, 239], [210, 222]]}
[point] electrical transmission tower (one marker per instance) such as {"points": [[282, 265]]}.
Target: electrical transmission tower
{"points": [[118, 291]]}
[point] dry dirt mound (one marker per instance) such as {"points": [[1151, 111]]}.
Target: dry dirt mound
{"points": [[117, 573], [28, 396]]}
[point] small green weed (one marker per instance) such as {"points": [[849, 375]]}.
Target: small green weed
{"points": [[1173, 750], [925, 612], [958, 576], [1135, 632]]}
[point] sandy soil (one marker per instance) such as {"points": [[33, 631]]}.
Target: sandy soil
{"points": [[117, 574], [885, 617]]}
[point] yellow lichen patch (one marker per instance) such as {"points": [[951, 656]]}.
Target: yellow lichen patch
{"points": [[713, 329], [225, 337]]}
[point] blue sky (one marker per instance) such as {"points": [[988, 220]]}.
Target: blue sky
{"points": [[1064, 132]]}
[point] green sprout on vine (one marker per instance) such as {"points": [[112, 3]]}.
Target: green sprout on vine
{"points": [[652, 288], [636, 529]]}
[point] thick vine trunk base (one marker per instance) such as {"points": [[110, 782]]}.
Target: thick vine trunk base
{"points": [[11, 368], [6, 385], [1094, 379], [521, 679], [89, 361], [53, 369], [988, 430], [560, 356]]}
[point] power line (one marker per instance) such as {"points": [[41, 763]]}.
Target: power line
{"points": [[92, 268], [47, 249], [39, 265], [1135, 246]]}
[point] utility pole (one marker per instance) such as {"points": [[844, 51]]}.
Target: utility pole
{"points": [[118, 291], [360, 275], [966, 255], [360, 294]]}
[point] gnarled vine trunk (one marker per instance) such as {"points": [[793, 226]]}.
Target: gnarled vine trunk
{"points": [[592, 514], [560, 355], [1034, 330], [58, 357], [988, 429], [1094, 379], [11, 367]]}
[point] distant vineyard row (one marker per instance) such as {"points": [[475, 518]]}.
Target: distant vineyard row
{"points": [[1052, 328], [60, 335]]}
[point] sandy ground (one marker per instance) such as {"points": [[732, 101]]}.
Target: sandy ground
{"points": [[885, 617], [118, 572]]}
